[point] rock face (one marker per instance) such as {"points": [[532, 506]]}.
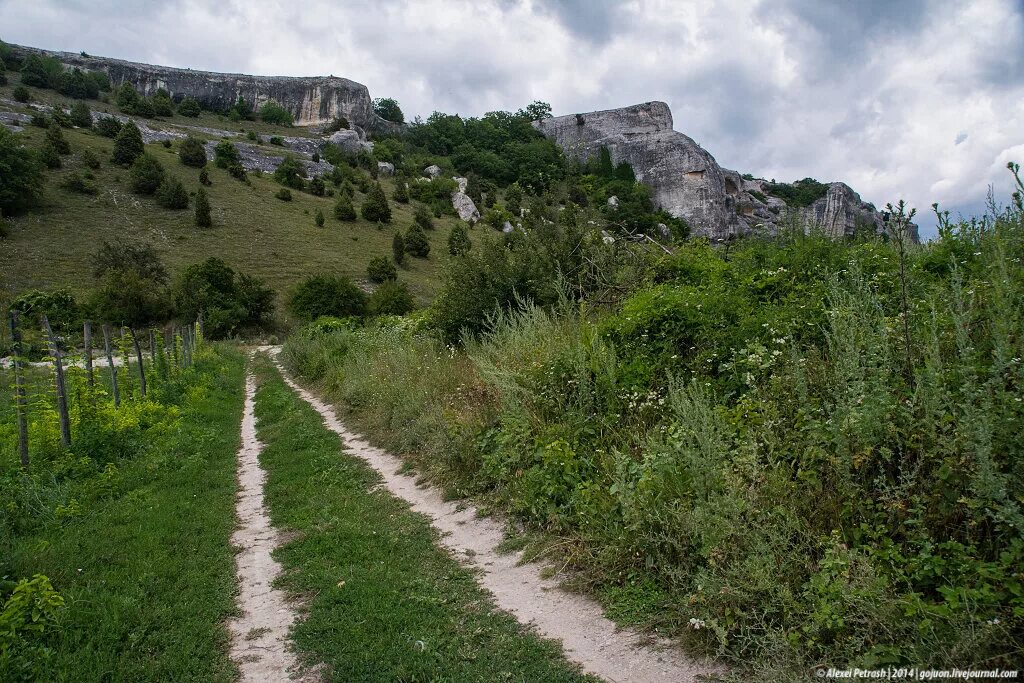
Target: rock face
{"points": [[311, 100], [687, 182]]}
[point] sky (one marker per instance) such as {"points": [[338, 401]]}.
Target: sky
{"points": [[908, 99]]}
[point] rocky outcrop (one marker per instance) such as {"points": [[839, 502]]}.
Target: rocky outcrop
{"points": [[464, 206], [687, 182], [311, 100]]}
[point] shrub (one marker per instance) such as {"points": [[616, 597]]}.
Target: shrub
{"points": [[79, 85], [376, 208], [146, 175], [161, 102], [237, 171], [90, 160], [284, 194], [319, 218], [416, 243], [458, 240], [388, 109], [39, 120], [391, 298], [172, 194], [128, 145], [381, 269], [202, 216], [316, 186], [800, 194], [21, 175], [166, 144], [277, 140], [423, 217], [327, 295], [343, 209], [21, 94], [108, 126], [50, 156], [77, 183], [41, 72], [401, 191], [227, 300], [204, 178], [192, 152], [127, 98], [398, 248], [290, 173], [225, 155], [189, 107], [55, 137], [81, 115], [274, 113], [241, 111]]}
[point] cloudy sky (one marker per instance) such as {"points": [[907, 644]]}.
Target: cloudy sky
{"points": [[899, 98]]}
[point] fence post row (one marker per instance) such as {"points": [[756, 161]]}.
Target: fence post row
{"points": [[110, 364], [62, 396], [19, 391]]}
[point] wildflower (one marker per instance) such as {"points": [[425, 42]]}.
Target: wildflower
{"points": [[696, 624]]}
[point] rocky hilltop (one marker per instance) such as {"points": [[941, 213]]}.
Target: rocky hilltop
{"points": [[311, 100], [686, 181]]}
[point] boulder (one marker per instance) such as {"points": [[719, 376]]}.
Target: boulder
{"points": [[350, 141], [385, 169], [465, 207], [613, 202], [432, 171]]}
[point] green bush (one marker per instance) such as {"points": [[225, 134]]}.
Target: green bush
{"points": [[204, 177], [416, 243], [21, 94], [225, 155], [78, 85], [343, 209], [190, 107], [172, 194], [128, 145], [458, 240], [401, 194], [274, 113], [108, 126], [319, 219], [388, 109], [290, 173], [203, 219], [398, 248], [277, 140], [55, 137], [227, 300], [381, 269], [50, 156], [800, 194], [90, 160], [162, 104], [147, 174], [391, 298], [284, 194], [316, 186], [192, 152], [81, 115], [423, 218], [21, 175], [327, 295], [376, 208], [75, 182], [41, 72]]}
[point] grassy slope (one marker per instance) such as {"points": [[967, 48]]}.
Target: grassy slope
{"points": [[254, 232], [148, 571], [384, 603]]}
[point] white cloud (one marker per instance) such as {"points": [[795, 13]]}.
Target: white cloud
{"points": [[920, 100]]}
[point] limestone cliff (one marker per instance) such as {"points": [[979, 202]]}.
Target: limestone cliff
{"points": [[686, 181], [311, 100]]}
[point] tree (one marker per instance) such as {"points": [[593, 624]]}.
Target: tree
{"points": [[81, 115], [227, 300], [127, 98], [241, 111], [473, 189], [41, 72], [21, 175], [55, 137], [319, 218], [398, 248], [79, 85], [132, 289], [190, 107], [343, 209], [535, 111], [192, 152], [108, 126], [204, 178], [225, 155], [387, 108], [128, 145], [139, 258], [162, 104], [274, 113], [458, 240], [49, 155], [376, 208], [391, 298], [147, 174], [203, 219], [416, 242], [172, 194], [401, 191], [381, 269], [321, 295], [316, 186], [21, 94], [423, 218]]}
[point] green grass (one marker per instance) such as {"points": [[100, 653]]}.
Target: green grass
{"points": [[51, 246], [384, 602], [146, 568]]}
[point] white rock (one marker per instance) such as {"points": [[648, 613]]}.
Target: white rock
{"points": [[432, 171], [613, 202], [465, 207], [385, 168]]}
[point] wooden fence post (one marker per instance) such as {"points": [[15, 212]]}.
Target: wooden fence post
{"points": [[138, 356], [19, 392], [87, 341], [62, 396], [110, 364]]}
